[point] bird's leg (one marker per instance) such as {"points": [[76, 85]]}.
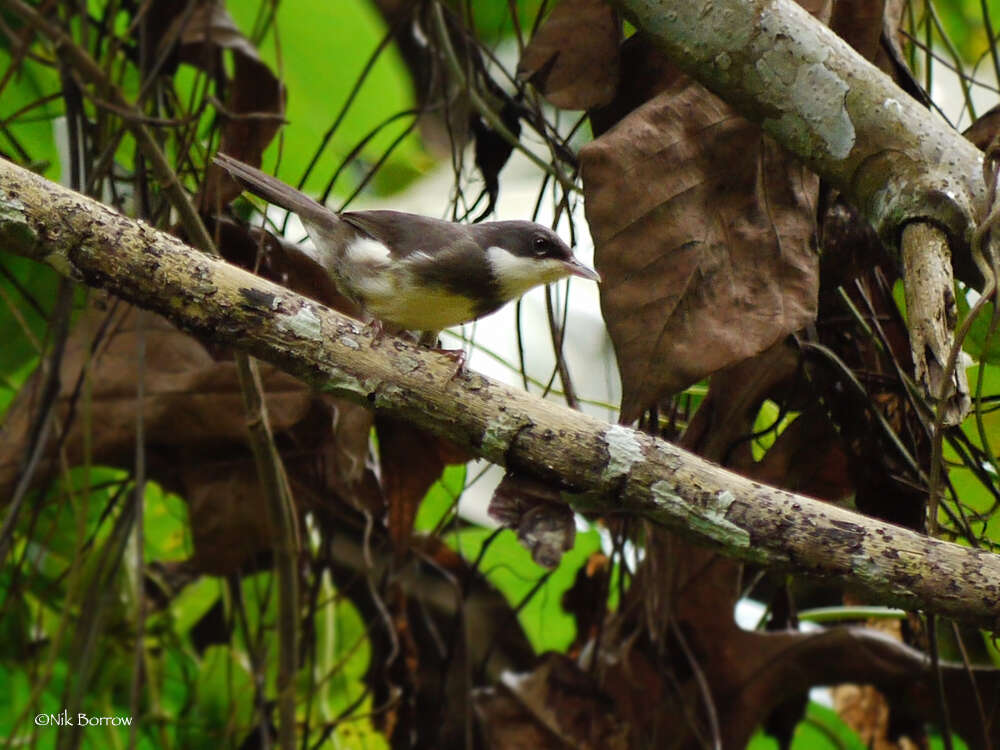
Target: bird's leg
{"points": [[431, 341], [377, 331], [457, 356]]}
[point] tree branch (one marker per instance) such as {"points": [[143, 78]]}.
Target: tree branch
{"points": [[617, 469], [932, 313], [807, 88]]}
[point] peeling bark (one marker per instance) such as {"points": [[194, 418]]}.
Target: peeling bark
{"points": [[932, 314]]}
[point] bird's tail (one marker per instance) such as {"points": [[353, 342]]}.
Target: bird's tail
{"points": [[275, 191]]}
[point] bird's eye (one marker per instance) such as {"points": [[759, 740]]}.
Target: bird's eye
{"points": [[541, 246]]}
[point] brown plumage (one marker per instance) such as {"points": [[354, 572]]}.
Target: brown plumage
{"points": [[416, 272]]}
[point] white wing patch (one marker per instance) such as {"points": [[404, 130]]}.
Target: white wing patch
{"points": [[364, 251], [367, 272], [517, 274]]}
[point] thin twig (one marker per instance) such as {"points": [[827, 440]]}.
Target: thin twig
{"points": [[485, 111]]}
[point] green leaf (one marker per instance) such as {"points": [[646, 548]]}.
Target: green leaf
{"points": [[509, 567], [979, 342], [822, 729], [191, 604], [165, 526], [333, 42], [343, 653], [27, 290], [970, 490], [11, 384], [441, 499], [27, 134], [222, 712], [768, 425], [17, 691], [260, 599], [80, 497], [492, 19], [936, 743]]}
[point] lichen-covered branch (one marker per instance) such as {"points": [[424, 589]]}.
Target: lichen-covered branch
{"points": [[612, 468], [780, 67]]}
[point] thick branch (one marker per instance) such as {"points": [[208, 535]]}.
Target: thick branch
{"points": [[819, 99], [619, 470]]}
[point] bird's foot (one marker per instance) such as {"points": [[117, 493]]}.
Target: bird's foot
{"points": [[458, 356], [431, 341], [376, 330]]}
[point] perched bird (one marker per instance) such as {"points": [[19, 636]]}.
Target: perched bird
{"points": [[418, 273]]}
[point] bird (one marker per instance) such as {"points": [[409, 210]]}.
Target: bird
{"points": [[418, 273]]}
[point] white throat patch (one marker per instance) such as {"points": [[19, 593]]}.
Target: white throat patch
{"points": [[516, 275]]}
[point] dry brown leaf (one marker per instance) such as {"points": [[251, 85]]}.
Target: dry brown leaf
{"points": [[507, 725], [410, 460], [865, 710], [718, 430], [195, 431], [544, 524], [645, 72], [207, 28], [859, 23], [704, 233], [560, 706], [807, 458], [984, 129], [191, 400], [586, 601], [255, 98], [573, 58]]}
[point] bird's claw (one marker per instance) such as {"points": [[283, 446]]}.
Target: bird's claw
{"points": [[458, 356], [376, 330]]}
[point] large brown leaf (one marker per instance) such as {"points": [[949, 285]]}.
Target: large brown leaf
{"points": [[255, 98], [573, 59], [194, 429], [859, 24], [411, 460], [704, 232]]}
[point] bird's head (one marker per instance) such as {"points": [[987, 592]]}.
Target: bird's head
{"points": [[523, 255]]}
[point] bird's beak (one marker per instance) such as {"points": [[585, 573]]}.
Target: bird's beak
{"points": [[576, 268]]}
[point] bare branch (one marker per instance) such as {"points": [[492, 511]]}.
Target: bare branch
{"points": [[619, 470]]}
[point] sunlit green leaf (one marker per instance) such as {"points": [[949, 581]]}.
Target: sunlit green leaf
{"points": [[166, 532], [441, 499], [822, 729], [333, 42], [509, 567], [27, 115], [222, 712]]}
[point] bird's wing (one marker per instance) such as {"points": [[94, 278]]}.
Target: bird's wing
{"points": [[458, 268], [407, 234], [443, 254]]}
